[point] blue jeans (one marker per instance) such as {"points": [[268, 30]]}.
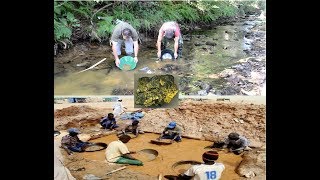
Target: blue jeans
{"points": [[128, 46], [110, 125], [78, 147], [180, 44]]}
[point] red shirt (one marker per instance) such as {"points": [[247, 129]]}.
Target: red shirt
{"points": [[168, 26]]}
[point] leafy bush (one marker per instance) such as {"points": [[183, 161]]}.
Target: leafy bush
{"points": [[96, 17], [64, 21]]}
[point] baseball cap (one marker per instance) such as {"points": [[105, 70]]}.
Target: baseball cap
{"points": [[172, 124], [74, 130]]}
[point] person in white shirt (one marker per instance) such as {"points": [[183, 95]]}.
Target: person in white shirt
{"points": [[210, 170], [118, 152], [118, 108]]}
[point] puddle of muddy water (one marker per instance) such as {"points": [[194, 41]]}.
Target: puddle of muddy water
{"points": [[188, 149]]}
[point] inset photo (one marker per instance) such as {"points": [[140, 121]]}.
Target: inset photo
{"points": [[156, 91]]}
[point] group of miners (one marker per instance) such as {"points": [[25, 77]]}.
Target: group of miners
{"points": [[118, 152]]}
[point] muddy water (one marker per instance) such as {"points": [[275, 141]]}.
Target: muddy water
{"points": [[188, 149], [202, 62], [230, 43], [102, 81]]}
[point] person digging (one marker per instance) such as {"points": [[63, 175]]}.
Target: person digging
{"points": [[234, 143], [172, 131], [71, 142], [118, 152]]}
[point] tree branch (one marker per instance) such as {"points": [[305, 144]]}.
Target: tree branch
{"points": [[98, 11]]}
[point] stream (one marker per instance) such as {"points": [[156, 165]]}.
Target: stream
{"points": [[227, 59]]}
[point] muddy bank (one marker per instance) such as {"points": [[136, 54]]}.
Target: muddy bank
{"points": [[253, 165], [217, 122]]}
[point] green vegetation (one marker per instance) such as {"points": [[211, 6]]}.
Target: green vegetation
{"points": [[94, 20]]}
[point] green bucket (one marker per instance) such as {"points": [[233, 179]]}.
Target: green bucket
{"points": [[127, 60]]}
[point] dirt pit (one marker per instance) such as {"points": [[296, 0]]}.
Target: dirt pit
{"points": [[188, 149], [219, 119]]}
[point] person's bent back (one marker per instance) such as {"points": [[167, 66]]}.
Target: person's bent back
{"points": [[118, 152], [209, 170]]}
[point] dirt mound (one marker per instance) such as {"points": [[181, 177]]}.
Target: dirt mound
{"points": [[210, 120], [253, 165], [82, 123], [72, 111]]}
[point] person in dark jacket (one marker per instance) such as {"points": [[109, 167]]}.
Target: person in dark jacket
{"points": [[109, 122]]}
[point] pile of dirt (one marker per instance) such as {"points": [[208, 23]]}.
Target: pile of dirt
{"points": [[211, 120], [253, 164], [72, 111], [78, 117]]}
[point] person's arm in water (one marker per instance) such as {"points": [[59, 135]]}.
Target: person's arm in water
{"points": [[176, 44], [226, 143], [115, 54], [129, 156], [136, 50], [160, 36], [243, 142], [164, 131]]}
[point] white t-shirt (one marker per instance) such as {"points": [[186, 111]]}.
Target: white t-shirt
{"points": [[115, 150], [206, 171], [118, 109]]}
